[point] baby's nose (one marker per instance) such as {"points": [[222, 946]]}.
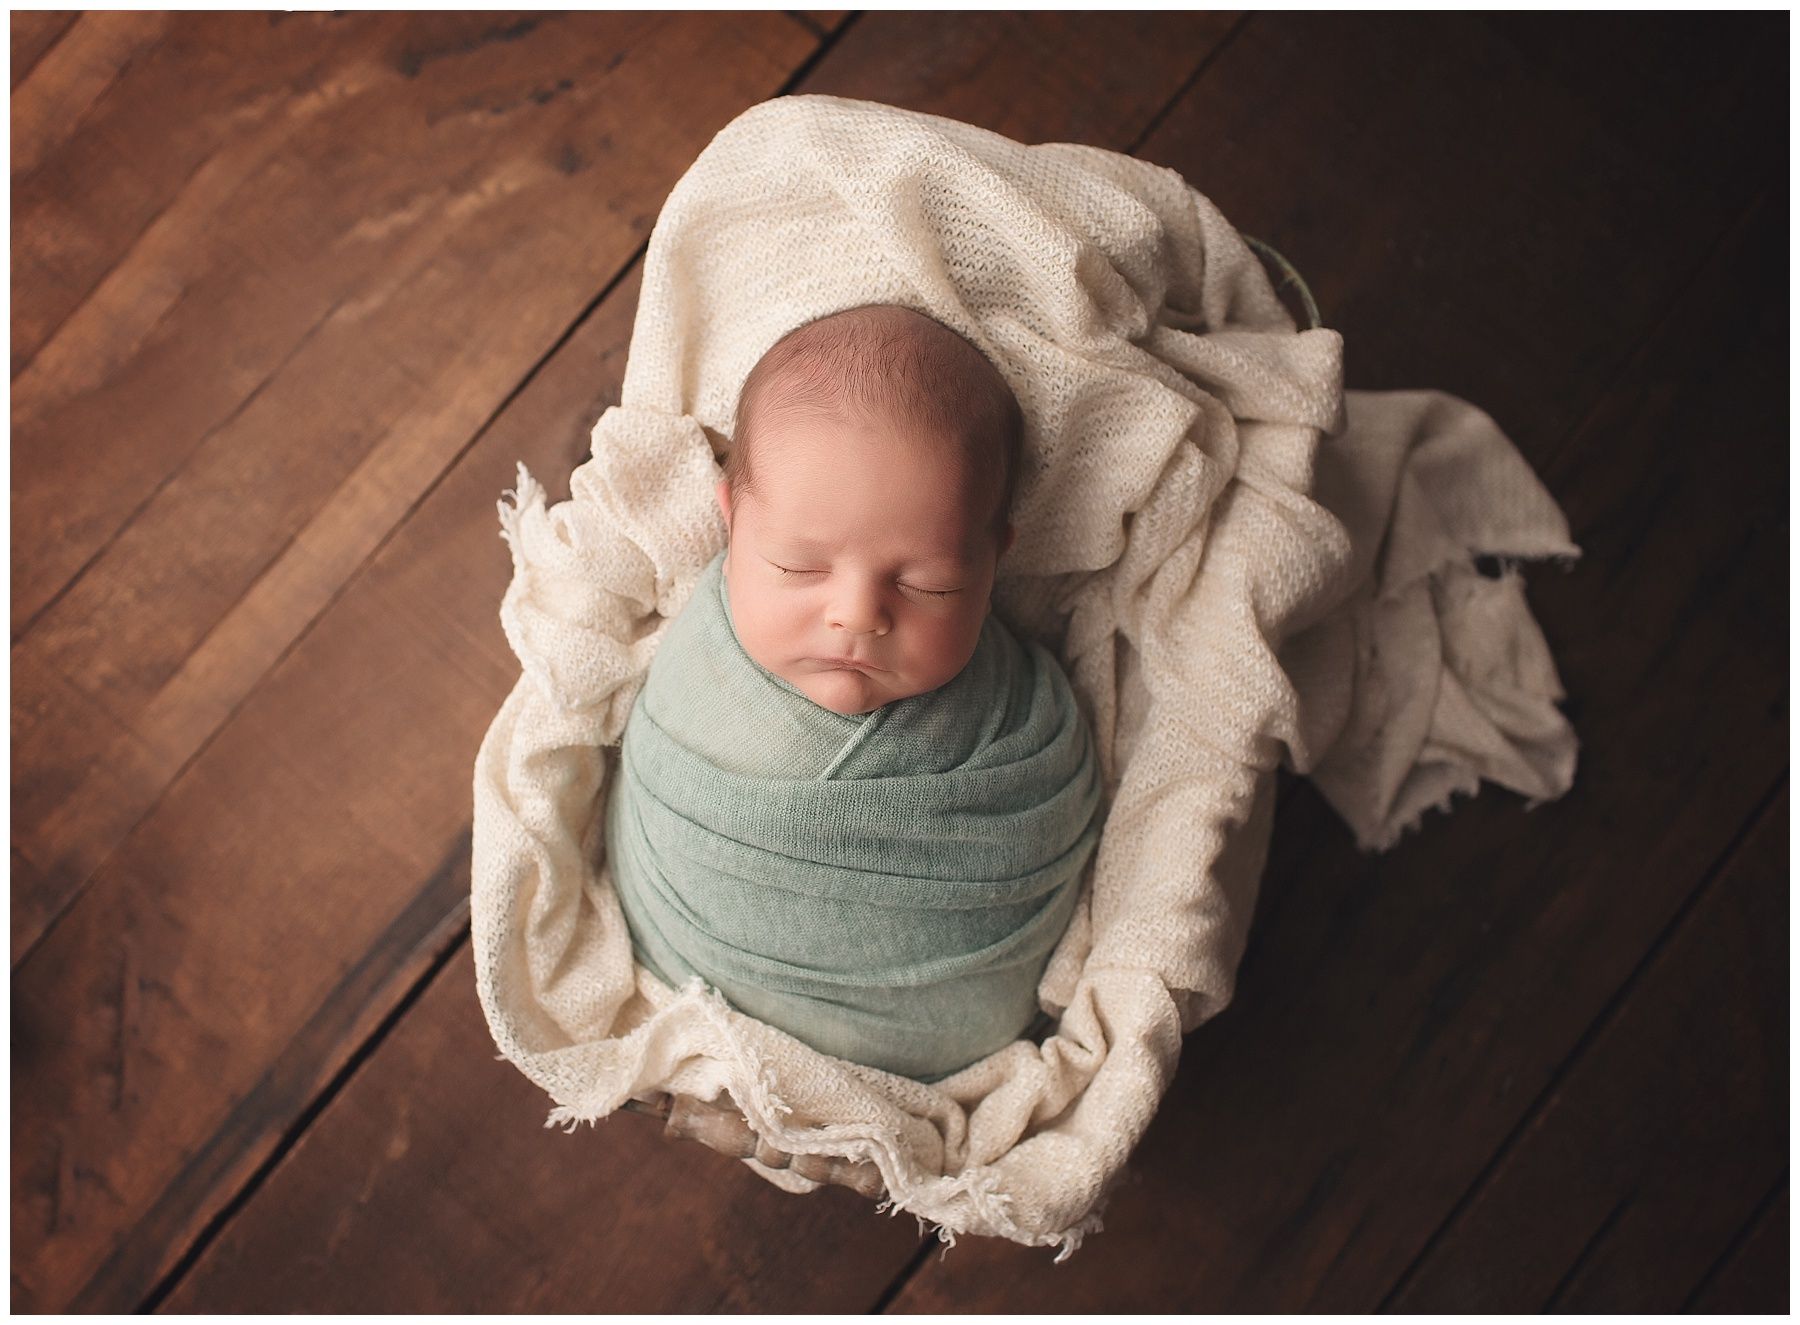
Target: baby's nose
{"points": [[859, 615]]}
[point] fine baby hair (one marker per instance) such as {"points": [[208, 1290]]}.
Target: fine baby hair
{"points": [[896, 365]]}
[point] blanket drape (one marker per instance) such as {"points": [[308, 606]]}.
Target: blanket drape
{"points": [[1225, 593], [885, 887]]}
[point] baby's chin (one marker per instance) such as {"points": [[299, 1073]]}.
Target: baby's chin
{"points": [[843, 690]]}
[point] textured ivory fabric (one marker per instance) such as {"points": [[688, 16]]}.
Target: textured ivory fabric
{"points": [[1238, 565], [885, 887]]}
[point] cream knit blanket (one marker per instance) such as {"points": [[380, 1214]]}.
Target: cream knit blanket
{"points": [[1227, 591]]}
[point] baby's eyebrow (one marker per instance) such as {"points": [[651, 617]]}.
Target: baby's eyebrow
{"points": [[948, 559]]}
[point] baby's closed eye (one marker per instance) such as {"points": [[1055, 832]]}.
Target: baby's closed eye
{"points": [[913, 588]]}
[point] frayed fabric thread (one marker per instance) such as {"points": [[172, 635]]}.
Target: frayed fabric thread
{"points": [[512, 505], [751, 1085]]}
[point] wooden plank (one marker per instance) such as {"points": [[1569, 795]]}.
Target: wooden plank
{"points": [[78, 71], [1448, 200], [460, 1200], [1396, 1018], [1583, 53], [961, 65], [427, 570], [282, 897], [289, 852], [35, 31], [1634, 1176], [1753, 1279], [157, 96], [377, 305], [820, 22]]}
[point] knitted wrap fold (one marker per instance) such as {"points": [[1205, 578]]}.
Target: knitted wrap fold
{"points": [[1239, 565], [885, 886]]}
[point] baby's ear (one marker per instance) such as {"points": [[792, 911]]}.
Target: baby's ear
{"points": [[1007, 542], [722, 490]]}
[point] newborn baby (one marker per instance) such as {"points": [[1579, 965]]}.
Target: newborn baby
{"points": [[849, 798]]}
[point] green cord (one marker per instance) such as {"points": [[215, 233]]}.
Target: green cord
{"points": [[1288, 277]]}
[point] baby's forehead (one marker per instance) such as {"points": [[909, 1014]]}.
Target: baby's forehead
{"points": [[805, 450], [926, 517]]}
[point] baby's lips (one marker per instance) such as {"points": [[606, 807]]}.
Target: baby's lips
{"points": [[845, 664]]}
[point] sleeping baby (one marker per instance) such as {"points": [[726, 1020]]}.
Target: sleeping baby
{"points": [[849, 798]]}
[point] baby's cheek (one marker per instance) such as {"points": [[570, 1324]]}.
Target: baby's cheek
{"points": [[952, 648], [768, 638]]}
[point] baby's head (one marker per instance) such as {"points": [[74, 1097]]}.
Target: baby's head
{"points": [[866, 495]]}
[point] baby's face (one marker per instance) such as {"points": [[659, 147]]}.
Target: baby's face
{"points": [[856, 544]]}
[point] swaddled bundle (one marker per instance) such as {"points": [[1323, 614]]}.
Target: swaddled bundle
{"points": [[885, 886]]}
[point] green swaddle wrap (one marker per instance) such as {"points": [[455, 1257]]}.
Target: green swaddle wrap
{"points": [[885, 887]]}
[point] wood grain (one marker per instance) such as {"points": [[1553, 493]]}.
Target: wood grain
{"points": [[74, 76], [821, 21], [426, 267], [433, 1185], [1754, 1277], [333, 771], [285, 854], [1396, 1014], [34, 32], [159, 98], [966, 65], [1634, 1176], [1465, 218], [431, 571]]}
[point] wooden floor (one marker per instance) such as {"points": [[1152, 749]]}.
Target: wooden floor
{"points": [[292, 293]]}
